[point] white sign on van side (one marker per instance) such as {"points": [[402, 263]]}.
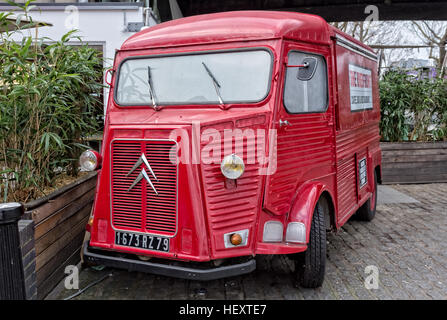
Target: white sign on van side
{"points": [[360, 84]]}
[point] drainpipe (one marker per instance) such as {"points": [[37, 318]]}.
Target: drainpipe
{"points": [[155, 10], [176, 13]]}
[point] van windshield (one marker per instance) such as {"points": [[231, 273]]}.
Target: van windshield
{"points": [[202, 78]]}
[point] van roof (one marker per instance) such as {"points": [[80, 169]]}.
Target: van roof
{"points": [[231, 26], [235, 26]]}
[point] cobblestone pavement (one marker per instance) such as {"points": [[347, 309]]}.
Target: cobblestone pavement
{"points": [[406, 242]]}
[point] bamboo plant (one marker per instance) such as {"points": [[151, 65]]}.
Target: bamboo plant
{"points": [[413, 108], [49, 99]]}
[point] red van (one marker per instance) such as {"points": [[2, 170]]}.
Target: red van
{"points": [[232, 135]]}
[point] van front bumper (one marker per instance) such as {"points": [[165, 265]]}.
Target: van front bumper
{"points": [[100, 257]]}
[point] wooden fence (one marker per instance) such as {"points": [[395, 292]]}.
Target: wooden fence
{"points": [[414, 162], [60, 220]]}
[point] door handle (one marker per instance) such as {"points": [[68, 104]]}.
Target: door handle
{"points": [[284, 123]]}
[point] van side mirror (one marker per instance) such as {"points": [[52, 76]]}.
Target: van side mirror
{"points": [[307, 71]]}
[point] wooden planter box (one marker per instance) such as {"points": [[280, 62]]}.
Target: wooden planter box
{"points": [[414, 162], [60, 220]]}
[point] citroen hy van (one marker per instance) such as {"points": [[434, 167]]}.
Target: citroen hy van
{"points": [[233, 135]]}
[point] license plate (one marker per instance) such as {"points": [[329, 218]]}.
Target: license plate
{"points": [[142, 241]]}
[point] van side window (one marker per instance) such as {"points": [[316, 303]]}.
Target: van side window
{"points": [[306, 88]]}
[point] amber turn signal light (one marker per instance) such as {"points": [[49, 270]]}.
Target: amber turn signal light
{"points": [[236, 239]]}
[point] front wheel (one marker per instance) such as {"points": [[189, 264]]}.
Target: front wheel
{"points": [[310, 265]]}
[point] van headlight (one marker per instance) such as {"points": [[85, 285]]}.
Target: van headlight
{"points": [[232, 166], [90, 160]]}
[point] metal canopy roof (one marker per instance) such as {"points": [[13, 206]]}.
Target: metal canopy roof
{"points": [[330, 10]]}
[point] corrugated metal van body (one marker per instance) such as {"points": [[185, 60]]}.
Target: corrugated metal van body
{"points": [[334, 151], [357, 130], [207, 207], [235, 206], [305, 147]]}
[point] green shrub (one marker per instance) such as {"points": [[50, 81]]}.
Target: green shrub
{"points": [[412, 109], [49, 96]]}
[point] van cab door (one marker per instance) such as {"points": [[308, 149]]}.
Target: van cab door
{"points": [[304, 122]]}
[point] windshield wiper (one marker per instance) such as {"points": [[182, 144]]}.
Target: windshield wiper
{"points": [[215, 82], [151, 88]]}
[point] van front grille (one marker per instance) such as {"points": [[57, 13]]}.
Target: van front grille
{"points": [[141, 208]]}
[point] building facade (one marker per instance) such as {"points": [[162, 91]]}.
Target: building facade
{"points": [[102, 25]]}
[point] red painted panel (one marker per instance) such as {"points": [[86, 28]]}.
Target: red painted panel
{"points": [[357, 131], [346, 119], [232, 206], [305, 148], [346, 186]]}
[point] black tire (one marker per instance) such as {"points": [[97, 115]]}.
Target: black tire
{"points": [[367, 211], [310, 265]]}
